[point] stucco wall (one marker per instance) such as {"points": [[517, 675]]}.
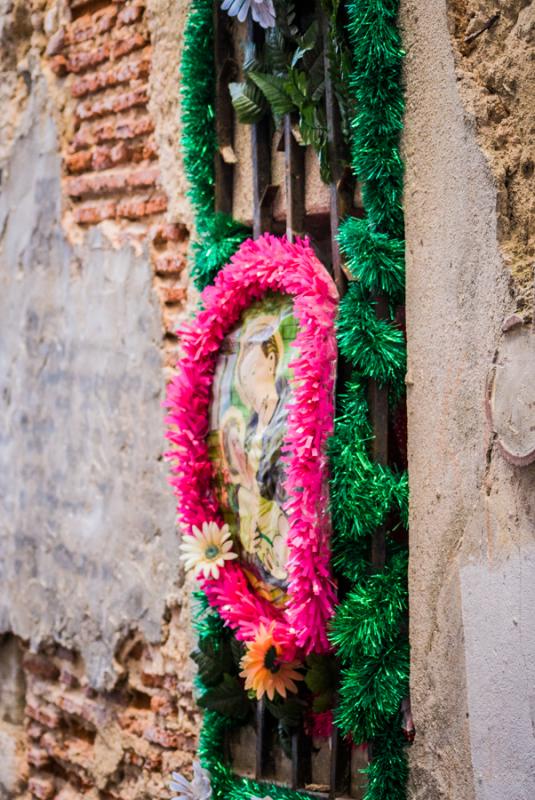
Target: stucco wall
{"points": [[88, 546], [471, 518], [88, 538]]}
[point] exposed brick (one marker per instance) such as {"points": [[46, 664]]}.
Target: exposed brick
{"points": [[91, 25], [161, 736], [96, 714], [46, 715], [127, 45], [58, 65], [79, 162], [106, 79], [98, 133], [112, 182], [43, 788], [80, 61], [132, 721], [138, 208], [37, 757], [112, 104], [71, 753], [130, 14], [167, 232], [41, 666], [147, 152], [152, 680], [92, 214], [169, 264], [174, 294], [163, 705]]}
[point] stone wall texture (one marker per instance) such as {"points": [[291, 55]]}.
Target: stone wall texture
{"points": [[96, 683], [468, 146]]}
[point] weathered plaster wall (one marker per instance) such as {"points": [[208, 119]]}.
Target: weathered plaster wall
{"points": [[88, 523], [472, 527], [88, 549]]}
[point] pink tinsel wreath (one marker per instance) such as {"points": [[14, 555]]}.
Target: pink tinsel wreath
{"points": [[266, 264]]}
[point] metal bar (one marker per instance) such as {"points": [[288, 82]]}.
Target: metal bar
{"points": [[340, 771], [342, 184], [263, 191], [301, 759], [225, 72], [262, 741], [294, 171]]}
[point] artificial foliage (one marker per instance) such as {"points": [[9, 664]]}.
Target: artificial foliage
{"points": [[288, 77], [369, 630]]}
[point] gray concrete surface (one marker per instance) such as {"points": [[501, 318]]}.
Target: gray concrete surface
{"points": [[470, 511], [88, 547]]}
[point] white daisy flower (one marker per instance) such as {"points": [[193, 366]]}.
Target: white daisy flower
{"points": [[263, 11], [197, 789], [206, 551]]}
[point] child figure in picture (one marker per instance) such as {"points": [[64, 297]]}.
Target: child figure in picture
{"points": [[239, 473], [267, 396]]}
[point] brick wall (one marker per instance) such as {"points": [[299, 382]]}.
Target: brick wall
{"points": [[66, 739], [100, 53], [118, 744]]}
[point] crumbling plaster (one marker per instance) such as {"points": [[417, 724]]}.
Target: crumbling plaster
{"points": [[88, 533], [471, 516]]}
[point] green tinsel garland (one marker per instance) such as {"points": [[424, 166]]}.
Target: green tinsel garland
{"points": [[219, 235], [369, 629]]}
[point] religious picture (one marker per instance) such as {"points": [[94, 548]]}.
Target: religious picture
{"points": [[248, 420]]}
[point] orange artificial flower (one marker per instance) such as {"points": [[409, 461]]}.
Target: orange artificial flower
{"points": [[263, 670]]}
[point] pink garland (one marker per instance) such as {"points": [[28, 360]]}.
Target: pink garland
{"points": [[267, 264]]}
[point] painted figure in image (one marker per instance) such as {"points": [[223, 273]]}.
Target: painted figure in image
{"points": [[267, 396], [248, 424]]}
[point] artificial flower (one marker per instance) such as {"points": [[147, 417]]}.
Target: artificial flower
{"points": [[197, 789], [265, 264], [205, 551], [262, 11], [263, 669]]}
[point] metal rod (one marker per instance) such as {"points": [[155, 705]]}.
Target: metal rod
{"points": [[225, 72], [342, 184], [301, 759], [262, 741], [294, 169], [263, 191]]}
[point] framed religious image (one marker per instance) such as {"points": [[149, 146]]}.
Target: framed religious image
{"points": [[250, 413]]}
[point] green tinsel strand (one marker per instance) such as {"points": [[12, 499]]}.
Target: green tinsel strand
{"points": [[362, 492], [373, 258], [376, 347], [371, 691], [207, 622], [370, 617], [350, 558], [219, 240], [197, 108], [378, 101], [388, 771]]}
